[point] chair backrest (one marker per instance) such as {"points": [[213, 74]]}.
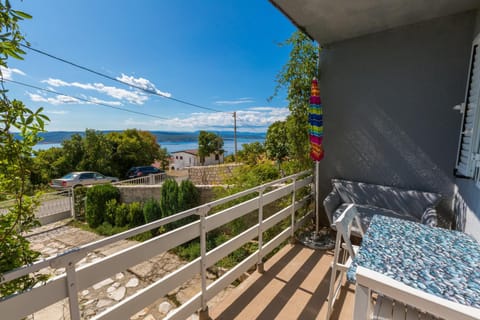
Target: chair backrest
{"points": [[344, 226]]}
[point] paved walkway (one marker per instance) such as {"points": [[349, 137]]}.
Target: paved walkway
{"points": [[58, 237]]}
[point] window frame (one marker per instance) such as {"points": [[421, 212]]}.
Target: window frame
{"points": [[470, 167]]}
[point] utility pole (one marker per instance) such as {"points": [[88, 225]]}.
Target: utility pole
{"points": [[235, 134]]}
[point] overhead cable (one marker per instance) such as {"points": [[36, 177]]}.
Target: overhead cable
{"points": [[150, 91], [82, 99]]}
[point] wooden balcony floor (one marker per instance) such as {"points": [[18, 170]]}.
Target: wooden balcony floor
{"points": [[294, 286]]}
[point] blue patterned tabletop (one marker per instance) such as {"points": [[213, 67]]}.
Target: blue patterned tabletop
{"points": [[442, 262]]}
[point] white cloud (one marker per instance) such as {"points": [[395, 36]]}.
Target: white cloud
{"points": [[247, 120], [57, 100], [8, 72], [235, 101], [58, 112], [112, 103], [142, 83], [61, 99], [262, 108], [134, 97]]}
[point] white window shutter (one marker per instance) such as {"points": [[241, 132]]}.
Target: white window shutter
{"points": [[467, 158]]}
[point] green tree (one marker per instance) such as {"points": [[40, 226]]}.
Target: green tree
{"points": [[296, 76], [208, 143], [276, 142], [251, 153], [97, 154], [15, 161], [46, 165], [111, 154], [134, 147], [169, 198], [188, 195]]}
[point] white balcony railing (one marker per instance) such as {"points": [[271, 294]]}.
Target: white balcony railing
{"points": [[157, 178], [80, 278]]}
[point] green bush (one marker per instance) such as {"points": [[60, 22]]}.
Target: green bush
{"points": [[97, 198], [106, 229], [135, 214], [188, 195], [169, 199], [151, 210], [79, 196], [111, 211], [121, 215]]}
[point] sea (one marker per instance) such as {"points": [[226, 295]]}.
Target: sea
{"points": [[174, 146]]}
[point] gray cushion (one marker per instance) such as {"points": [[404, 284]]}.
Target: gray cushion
{"points": [[407, 202]]}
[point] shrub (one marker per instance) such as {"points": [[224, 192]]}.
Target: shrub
{"points": [[135, 214], [188, 195], [106, 229], [121, 215], [151, 210], [169, 199], [79, 197], [97, 198], [110, 211]]}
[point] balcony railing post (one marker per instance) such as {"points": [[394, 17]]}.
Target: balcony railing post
{"points": [[260, 267], [71, 193], [67, 261], [72, 291], [203, 314], [292, 237]]}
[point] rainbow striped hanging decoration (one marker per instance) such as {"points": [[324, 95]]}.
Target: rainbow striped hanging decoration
{"points": [[315, 120]]}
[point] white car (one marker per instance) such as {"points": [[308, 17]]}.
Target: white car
{"points": [[81, 178]]}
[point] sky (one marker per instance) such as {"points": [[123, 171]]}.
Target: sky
{"points": [[220, 55]]}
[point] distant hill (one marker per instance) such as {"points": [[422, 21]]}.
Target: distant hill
{"points": [[162, 136]]}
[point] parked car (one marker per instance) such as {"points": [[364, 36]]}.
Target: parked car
{"points": [[135, 172], [81, 178]]}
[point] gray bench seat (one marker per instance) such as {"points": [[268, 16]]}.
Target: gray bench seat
{"points": [[371, 199]]}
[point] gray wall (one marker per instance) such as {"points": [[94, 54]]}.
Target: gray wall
{"points": [[467, 197], [388, 101]]}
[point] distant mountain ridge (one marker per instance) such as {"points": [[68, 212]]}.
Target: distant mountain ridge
{"points": [[162, 136]]}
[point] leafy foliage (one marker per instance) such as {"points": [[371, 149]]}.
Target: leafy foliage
{"points": [[135, 214], [296, 75], [79, 198], [97, 198], [169, 198], [121, 215], [251, 153], [188, 195], [208, 143], [15, 161], [276, 143], [152, 210], [111, 154]]}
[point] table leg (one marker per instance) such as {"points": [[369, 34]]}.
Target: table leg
{"points": [[363, 303]]}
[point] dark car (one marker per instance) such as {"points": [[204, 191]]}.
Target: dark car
{"points": [[142, 171]]}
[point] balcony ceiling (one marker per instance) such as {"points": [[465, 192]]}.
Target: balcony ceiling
{"points": [[330, 21]]}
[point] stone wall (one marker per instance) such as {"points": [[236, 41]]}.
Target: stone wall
{"points": [[211, 175], [131, 194]]}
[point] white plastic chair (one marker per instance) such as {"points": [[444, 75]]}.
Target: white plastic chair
{"points": [[344, 252]]}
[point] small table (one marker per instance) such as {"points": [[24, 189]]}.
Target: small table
{"points": [[442, 262]]}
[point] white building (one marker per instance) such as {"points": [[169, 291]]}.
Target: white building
{"points": [[189, 158]]}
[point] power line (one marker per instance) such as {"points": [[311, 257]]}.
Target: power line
{"points": [[117, 80], [82, 99]]}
